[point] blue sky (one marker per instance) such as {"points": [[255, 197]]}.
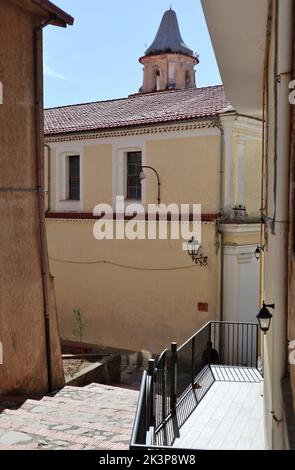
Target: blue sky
{"points": [[97, 58]]}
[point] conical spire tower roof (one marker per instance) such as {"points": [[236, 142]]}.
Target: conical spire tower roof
{"points": [[168, 37]]}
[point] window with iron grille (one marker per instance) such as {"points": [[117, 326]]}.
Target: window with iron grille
{"points": [[134, 163], [74, 178]]}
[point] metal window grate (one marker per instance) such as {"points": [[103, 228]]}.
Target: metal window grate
{"points": [[74, 178], [134, 163]]}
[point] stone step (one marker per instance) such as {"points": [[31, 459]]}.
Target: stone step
{"points": [[95, 404], [39, 436], [21, 429], [97, 386], [100, 417], [84, 414], [97, 391], [22, 416], [99, 408]]}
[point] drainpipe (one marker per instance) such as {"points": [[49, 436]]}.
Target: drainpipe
{"points": [[280, 223], [48, 177], [39, 129], [221, 213]]}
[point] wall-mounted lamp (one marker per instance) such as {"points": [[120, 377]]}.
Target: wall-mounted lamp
{"points": [[258, 251], [264, 317], [194, 250], [142, 177]]}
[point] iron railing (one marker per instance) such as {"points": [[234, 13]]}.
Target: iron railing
{"points": [[175, 383]]}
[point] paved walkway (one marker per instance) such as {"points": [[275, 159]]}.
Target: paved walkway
{"points": [[93, 417], [230, 416]]}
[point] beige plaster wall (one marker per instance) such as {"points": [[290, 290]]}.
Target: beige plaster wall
{"points": [[144, 308]]}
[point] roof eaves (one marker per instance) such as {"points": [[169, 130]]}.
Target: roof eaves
{"points": [[57, 15], [179, 120]]}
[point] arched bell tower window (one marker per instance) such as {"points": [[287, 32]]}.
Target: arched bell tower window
{"points": [[157, 80], [187, 79]]}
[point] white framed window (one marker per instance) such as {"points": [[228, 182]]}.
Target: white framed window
{"points": [[69, 181], [127, 163]]}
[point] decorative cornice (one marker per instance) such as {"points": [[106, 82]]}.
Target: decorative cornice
{"points": [[241, 228], [152, 217], [243, 253], [104, 134]]}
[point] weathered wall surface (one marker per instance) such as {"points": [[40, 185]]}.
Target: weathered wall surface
{"points": [[160, 63], [143, 301], [22, 329]]}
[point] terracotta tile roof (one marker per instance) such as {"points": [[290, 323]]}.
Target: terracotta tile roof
{"points": [[137, 110]]}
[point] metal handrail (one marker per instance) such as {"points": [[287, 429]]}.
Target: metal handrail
{"points": [[140, 407], [216, 322], [177, 373], [160, 358]]}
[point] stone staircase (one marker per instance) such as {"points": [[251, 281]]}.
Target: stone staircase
{"points": [[93, 417]]}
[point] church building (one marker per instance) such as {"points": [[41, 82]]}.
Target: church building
{"points": [[170, 143]]}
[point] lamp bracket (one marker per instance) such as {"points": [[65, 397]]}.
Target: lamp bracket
{"points": [[270, 306], [277, 420]]}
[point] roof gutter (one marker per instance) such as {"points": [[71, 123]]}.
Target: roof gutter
{"points": [[57, 16]]}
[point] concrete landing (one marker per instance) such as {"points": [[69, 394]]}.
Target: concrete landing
{"points": [[230, 416]]}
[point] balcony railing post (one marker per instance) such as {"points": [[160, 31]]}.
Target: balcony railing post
{"points": [[257, 345], [173, 378], [193, 363], [164, 389], [151, 396]]}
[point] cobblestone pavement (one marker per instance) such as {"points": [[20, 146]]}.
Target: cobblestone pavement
{"points": [[93, 417]]}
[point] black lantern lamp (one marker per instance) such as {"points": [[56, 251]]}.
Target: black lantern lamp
{"points": [[264, 317], [258, 251], [194, 250]]}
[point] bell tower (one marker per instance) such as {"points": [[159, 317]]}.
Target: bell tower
{"points": [[168, 63]]}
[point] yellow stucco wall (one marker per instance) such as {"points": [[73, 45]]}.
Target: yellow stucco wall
{"points": [[97, 171], [189, 169], [194, 160], [130, 308], [142, 309]]}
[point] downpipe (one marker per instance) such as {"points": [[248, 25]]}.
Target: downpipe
{"points": [[221, 213], [40, 188]]}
